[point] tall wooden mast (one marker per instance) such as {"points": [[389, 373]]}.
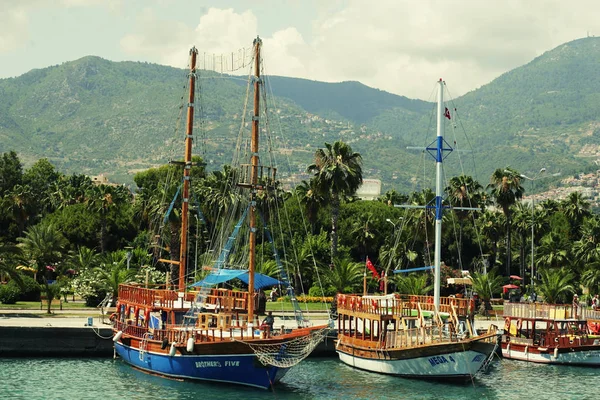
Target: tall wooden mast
{"points": [[186, 172], [254, 178]]}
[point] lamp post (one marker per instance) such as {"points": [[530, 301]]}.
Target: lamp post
{"points": [[391, 222], [196, 252], [532, 226], [129, 255]]}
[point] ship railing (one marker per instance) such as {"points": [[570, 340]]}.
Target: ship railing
{"points": [[399, 304], [151, 298], [546, 311], [174, 333], [421, 336]]}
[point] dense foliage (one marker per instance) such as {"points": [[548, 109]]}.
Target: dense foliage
{"points": [[88, 254]]}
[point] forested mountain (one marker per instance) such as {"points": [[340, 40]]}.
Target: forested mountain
{"points": [[96, 116]]}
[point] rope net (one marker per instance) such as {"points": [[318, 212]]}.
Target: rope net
{"points": [[290, 353]]}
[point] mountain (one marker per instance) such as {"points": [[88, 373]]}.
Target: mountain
{"points": [[96, 116]]}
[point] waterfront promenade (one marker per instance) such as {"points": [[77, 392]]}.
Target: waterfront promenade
{"points": [[77, 318]]}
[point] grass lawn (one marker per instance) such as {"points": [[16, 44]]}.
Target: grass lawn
{"points": [[35, 305], [287, 306]]}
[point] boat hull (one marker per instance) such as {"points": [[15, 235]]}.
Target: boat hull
{"points": [[454, 362], [240, 369], [582, 356]]}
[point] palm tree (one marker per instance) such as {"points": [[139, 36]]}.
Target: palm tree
{"points": [[345, 276], [392, 197], [338, 173], [363, 233], [414, 284], [112, 275], [576, 208], [312, 199], [43, 245], [486, 285], [100, 200], [556, 285], [506, 189], [20, 201], [553, 252], [464, 191], [10, 256]]}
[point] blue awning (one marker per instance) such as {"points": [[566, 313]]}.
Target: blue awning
{"points": [[224, 275]]}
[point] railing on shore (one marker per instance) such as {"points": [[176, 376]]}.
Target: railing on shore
{"points": [[549, 311]]}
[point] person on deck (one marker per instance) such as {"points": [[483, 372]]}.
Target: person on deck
{"points": [[575, 306], [595, 304], [274, 294], [268, 322]]}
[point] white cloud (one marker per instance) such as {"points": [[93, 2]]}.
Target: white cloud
{"points": [[14, 32], [402, 46]]}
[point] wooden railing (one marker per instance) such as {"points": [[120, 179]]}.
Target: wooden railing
{"points": [[151, 298], [399, 304], [548, 311]]}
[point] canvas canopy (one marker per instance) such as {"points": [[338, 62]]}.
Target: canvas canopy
{"points": [[459, 281], [224, 275]]}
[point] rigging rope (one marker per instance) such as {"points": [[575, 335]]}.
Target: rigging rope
{"points": [[289, 353]]}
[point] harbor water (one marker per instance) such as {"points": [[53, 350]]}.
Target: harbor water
{"points": [[315, 378]]}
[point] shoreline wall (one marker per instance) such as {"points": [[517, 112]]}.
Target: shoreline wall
{"points": [[16, 341]]}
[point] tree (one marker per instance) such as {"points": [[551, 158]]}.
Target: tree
{"points": [[10, 256], [345, 276], [415, 284], [312, 199], [113, 272], [506, 189], [464, 191], [338, 173], [11, 171], [576, 208], [556, 285], [486, 285], [43, 245]]}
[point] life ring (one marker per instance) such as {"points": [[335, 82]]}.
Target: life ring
{"points": [[507, 324], [113, 317], [519, 323]]}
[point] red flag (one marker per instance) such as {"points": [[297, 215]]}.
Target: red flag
{"points": [[372, 269], [447, 113]]}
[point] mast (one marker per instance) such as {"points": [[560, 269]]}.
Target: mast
{"points": [[186, 171], [254, 178], [438, 195]]}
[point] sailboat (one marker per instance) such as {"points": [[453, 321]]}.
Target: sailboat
{"points": [[415, 336], [212, 333]]}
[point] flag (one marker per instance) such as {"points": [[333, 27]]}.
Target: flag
{"points": [[447, 113], [372, 269]]}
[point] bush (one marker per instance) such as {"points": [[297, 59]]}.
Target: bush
{"points": [[94, 300], [31, 290], [9, 293], [316, 291]]}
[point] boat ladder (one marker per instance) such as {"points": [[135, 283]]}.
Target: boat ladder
{"points": [[144, 346]]}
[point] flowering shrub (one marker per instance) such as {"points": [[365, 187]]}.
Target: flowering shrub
{"points": [[154, 276], [308, 299]]}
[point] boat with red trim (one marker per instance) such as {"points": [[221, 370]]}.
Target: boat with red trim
{"points": [[206, 332]]}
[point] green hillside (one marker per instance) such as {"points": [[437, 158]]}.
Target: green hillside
{"points": [[96, 116]]}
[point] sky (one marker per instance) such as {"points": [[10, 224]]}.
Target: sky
{"points": [[400, 46]]}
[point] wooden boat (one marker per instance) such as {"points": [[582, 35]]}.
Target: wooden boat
{"points": [[212, 334], [415, 336], [551, 334]]}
